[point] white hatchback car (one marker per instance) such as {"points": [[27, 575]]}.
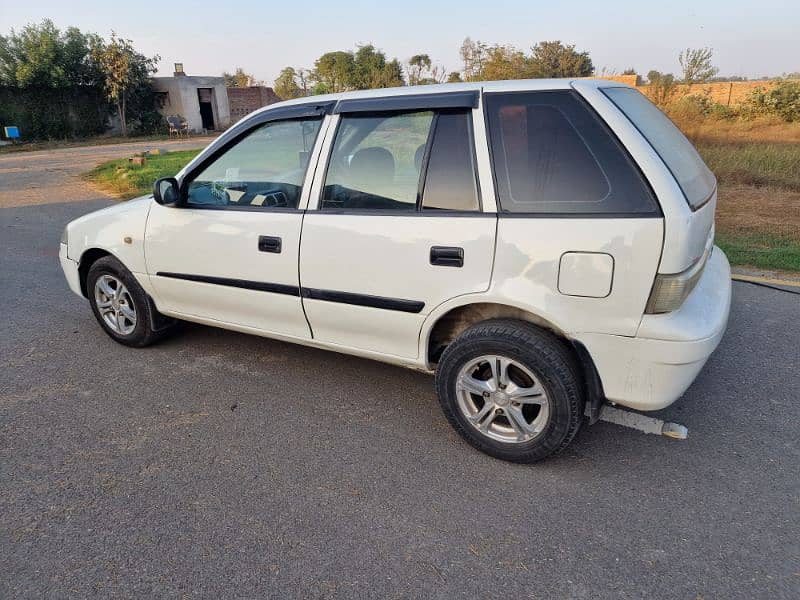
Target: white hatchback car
{"points": [[543, 246]]}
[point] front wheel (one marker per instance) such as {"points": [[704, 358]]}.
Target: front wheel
{"points": [[120, 304], [511, 389]]}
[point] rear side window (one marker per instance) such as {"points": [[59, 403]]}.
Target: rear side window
{"points": [[376, 162], [450, 182], [693, 176], [402, 161], [551, 154]]}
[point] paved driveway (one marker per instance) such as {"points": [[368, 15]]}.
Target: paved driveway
{"points": [[220, 465]]}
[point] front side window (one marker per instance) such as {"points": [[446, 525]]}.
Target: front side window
{"points": [[376, 161], [551, 154], [265, 169]]}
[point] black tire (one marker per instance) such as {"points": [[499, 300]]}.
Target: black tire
{"points": [[143, 333], [546, 356]]}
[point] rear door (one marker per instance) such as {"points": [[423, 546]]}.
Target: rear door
{"points": [[394, 226]]}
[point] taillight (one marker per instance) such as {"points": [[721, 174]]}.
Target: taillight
{"points": [[669, 291]]}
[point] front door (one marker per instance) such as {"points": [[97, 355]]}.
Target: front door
{"points": [[397, 229], [229, 253]]}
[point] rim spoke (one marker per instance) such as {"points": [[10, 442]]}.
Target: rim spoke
{"points": [[529, 395], [105, 288], [499, 367], [103, 305], [474, 386], [518, 422], [481, 414], [127, 311], [483, 426]]}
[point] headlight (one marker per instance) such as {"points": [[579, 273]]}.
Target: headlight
{"points": [[64, 236], [669, 291]]}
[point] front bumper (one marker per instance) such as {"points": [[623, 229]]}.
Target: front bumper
{"points": [[653, 369], [70, 268]]}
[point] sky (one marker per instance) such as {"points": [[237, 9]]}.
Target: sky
{"points": [[749, 38]]}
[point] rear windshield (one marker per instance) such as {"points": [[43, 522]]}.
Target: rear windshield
{"points": [[677, 152]]}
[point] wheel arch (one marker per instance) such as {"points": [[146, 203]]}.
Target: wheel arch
{"points": [[88, 258], [450, 323]]}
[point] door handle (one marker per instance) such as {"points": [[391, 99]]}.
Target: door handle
{"points": [[447, 256], [267, 243]]}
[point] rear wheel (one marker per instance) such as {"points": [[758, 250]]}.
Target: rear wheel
{"points": [[511, 390], [120, 304]]}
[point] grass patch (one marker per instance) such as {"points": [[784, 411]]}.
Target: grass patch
{"points": [[763, 251], [754, 163], [120, 178]]}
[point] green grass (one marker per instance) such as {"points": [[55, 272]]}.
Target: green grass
{"points": [[764, 251], [125, 180], [754, 163]]}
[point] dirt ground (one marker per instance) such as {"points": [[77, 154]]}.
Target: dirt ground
{"points": [[52, 176], [747, 209]]}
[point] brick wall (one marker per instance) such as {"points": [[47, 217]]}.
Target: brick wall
{"points": [[243, 101], [729, 93]]}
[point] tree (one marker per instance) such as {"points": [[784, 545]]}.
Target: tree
{"points": [[696, 65], [286, 84], [334, 72], [505, 62], [454, 77], [472, 57], [127, 73], [417, 65], [239, 79], [662, 87], [630, 71], [372, 70], [554, 59], [42, 55]]}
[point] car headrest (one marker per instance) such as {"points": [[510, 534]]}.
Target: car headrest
{"points": [[372, 164]]}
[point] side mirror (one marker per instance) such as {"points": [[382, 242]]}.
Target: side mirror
{"points": [[166, 191]]}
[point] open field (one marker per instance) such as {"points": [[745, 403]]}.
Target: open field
{"points": [[757, 164]]}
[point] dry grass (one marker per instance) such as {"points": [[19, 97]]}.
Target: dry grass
{"points": [[757, 164]]}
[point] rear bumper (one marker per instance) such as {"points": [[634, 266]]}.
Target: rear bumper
{"points": [[653, 369], [70, 268]]}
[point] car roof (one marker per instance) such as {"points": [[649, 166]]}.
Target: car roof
{"points": [[513, 85]]}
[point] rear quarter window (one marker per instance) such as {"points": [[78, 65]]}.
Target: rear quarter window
{"points": [[679, 155], [551, 154]]}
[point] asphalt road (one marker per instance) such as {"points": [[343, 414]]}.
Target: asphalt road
{"points": [[218, 465]]}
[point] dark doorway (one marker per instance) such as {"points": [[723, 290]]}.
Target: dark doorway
{"points": [[206, 98]]}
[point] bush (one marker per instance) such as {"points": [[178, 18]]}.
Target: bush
{"points": [[783, 100], [54, 113]]}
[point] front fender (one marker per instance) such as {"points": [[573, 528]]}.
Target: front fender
{"points": [[118, 230]]}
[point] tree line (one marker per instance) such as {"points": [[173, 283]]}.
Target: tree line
{"points": [[368, 67], [48, 67]]}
